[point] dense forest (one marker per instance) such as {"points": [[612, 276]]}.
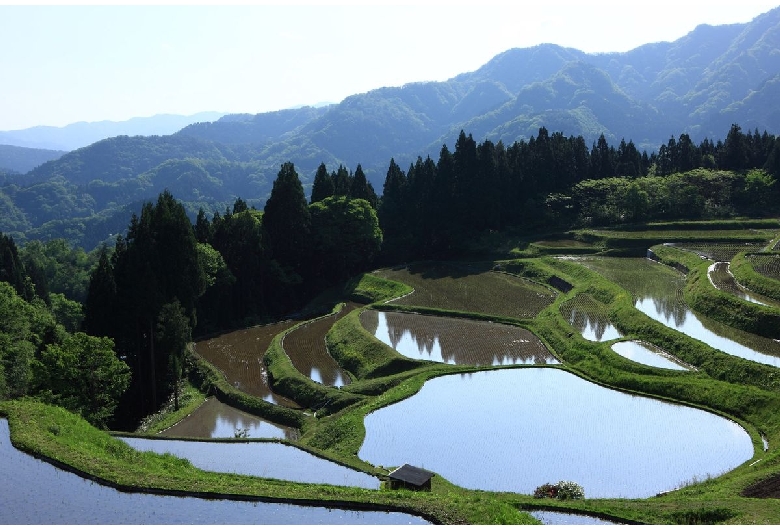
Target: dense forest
{"points": [[104, 333]]}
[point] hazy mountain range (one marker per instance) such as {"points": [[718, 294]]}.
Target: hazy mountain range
{"points": [[699, 84]]}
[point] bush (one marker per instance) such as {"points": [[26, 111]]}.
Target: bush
{"points": [[565, 489]]}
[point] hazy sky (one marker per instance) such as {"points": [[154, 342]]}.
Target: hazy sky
{"points": [[62, 64]]}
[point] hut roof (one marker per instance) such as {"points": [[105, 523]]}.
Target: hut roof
{"points": [[411, 475]]}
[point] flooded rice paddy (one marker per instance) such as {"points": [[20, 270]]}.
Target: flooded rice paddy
{"points": [[563, 518], [719, 251], [456, 340], [305, 346], [589, 317], [516, 429], [239, 355], [458, 288], [42, 494], [658, 293], [768, 265], [259, 459], [721, 278], [214, 419], [647, 354]]}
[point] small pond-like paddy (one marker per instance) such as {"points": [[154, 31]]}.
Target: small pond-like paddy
{"points": [[214, 419], [34, 492], [644, 353], [473, 288], [721, 278], [562, 518], [456, 340], [516, 429], [259, 459], [305, 346]]}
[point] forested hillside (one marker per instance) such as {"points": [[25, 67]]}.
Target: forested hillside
{"points": [[697, 86]]}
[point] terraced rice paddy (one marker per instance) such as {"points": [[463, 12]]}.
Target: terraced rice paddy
{"points": [[590, 318], [719, 251], [644, 353], [305, 346], [41, 494], [516, 429], [453, 287], [721, 277], [658, 293], [768, 265], [214, 419], [259, 459], [456, 340], [239, 355]]}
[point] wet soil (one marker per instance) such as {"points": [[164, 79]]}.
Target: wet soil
{"points": [[769, 488], [239, 355]]}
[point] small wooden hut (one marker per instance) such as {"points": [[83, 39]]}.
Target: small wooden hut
{"points": [[410, 477]]}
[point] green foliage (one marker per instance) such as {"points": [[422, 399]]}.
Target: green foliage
{"points": [[367, 288], [346, 236], [563, 490], [83, 375]]}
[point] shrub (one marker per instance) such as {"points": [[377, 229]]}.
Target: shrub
{"points": [[565, 489]]}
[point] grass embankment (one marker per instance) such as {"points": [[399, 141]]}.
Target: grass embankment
{"points": [[759, 272]]}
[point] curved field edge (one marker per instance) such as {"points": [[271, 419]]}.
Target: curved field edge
{"points": [[745, 273]]}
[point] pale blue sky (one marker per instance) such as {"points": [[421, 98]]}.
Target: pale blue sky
{"points": [[62, 64]]}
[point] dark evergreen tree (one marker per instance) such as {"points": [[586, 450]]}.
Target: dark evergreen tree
{"points": [[734, 154], [99, 317], [323, 185], [287, 220], [203, 229], [362, 189]]}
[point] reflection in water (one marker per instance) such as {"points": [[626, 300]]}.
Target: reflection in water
{"points": [[259, 459], [456, 340], [658, 293], [214, 419], [305, 346], [516, 429], [41, 494], [721, 278], [563, 518], [646, 354], [589, 318], [239, 355]]}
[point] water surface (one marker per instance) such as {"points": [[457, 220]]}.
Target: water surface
{"points": [[259, 459], [33, 492], [563, 518], [516, 429], [721, 278], [648, 354], [456, 340], [214, 419], [658, 293]]}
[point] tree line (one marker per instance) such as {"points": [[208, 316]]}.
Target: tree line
{"points": [[169, 279]]}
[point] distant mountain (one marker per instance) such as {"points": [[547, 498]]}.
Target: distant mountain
{"points": [[699, 85], [83, 133], [23, 159]]}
